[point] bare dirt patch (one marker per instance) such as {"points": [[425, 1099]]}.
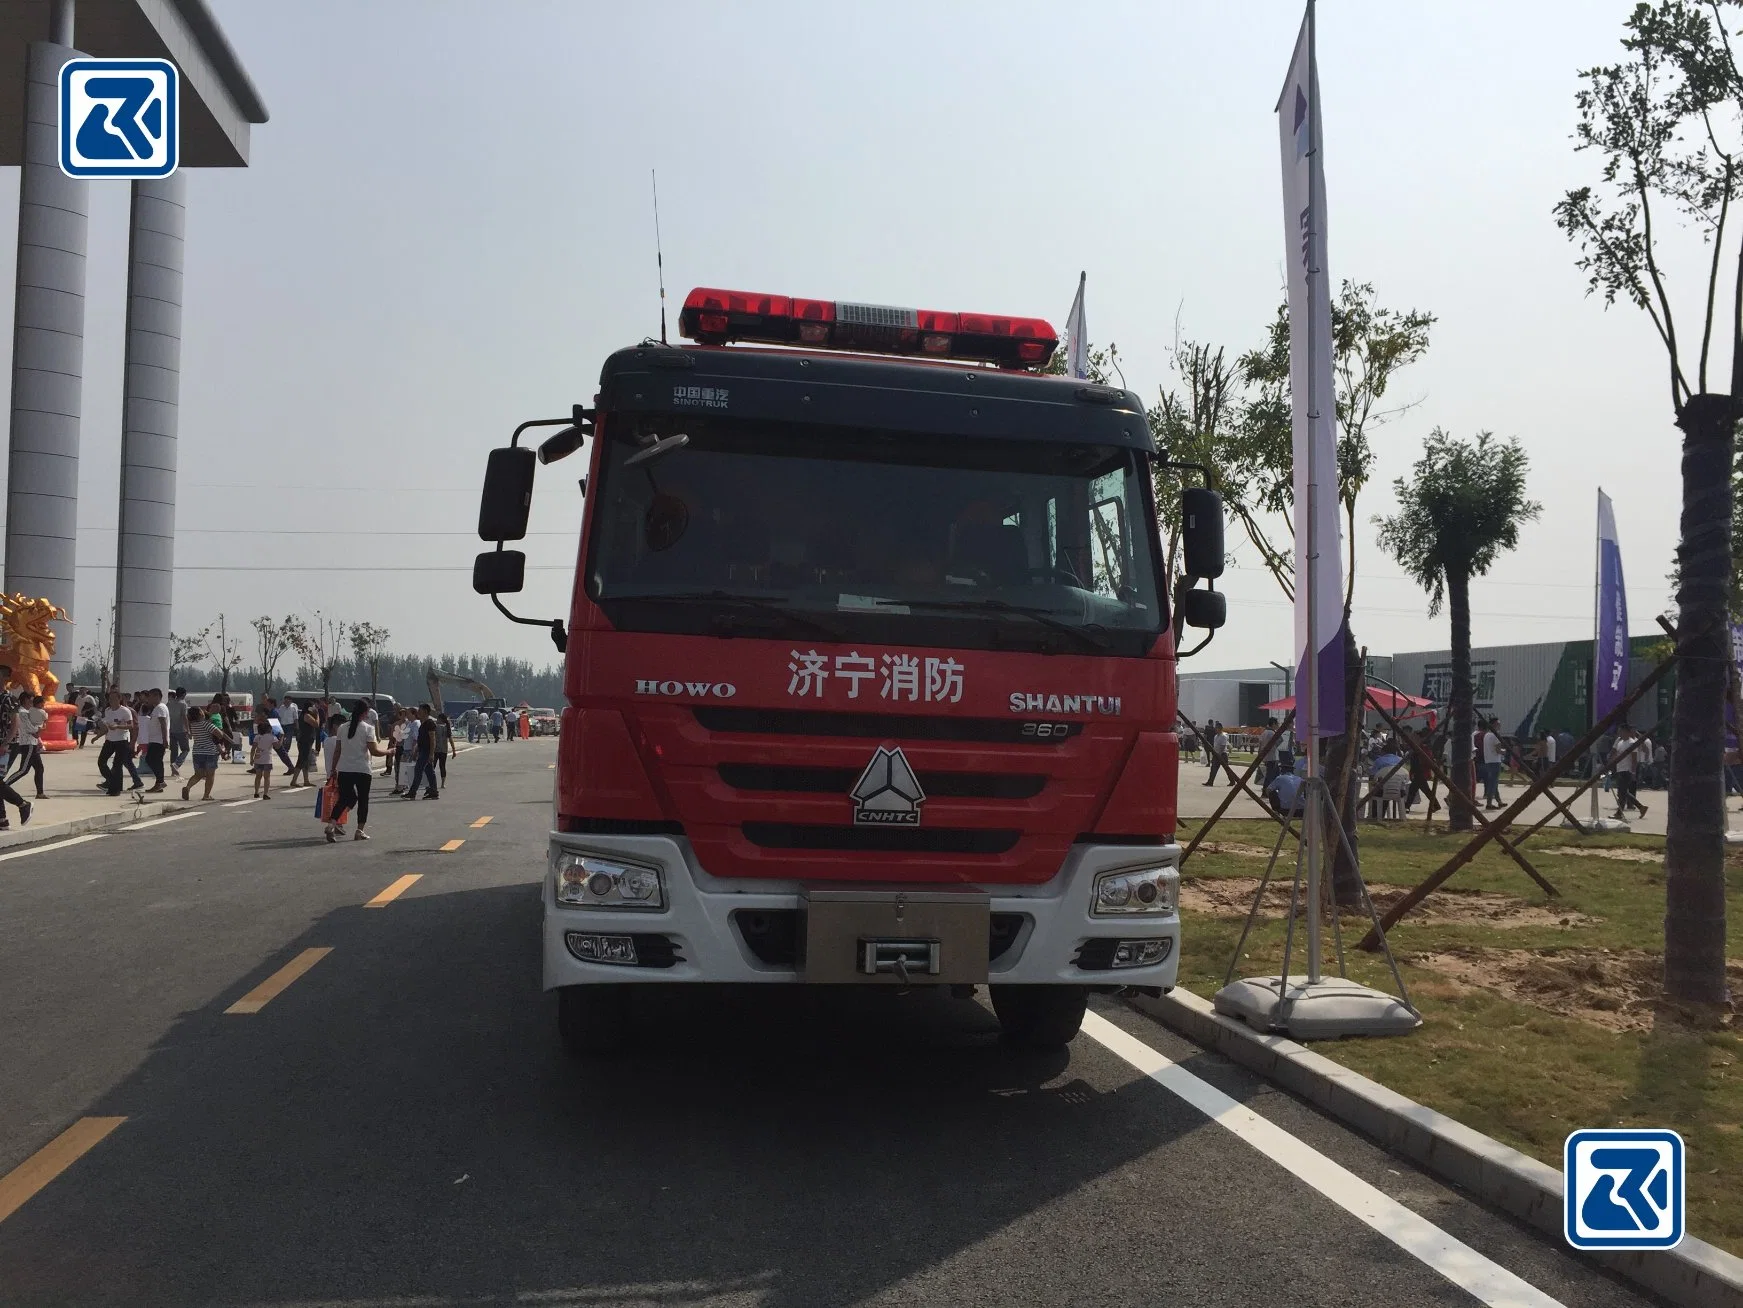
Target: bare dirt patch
{"points": [[1620, 855], [1233, 897], [1239, 850], [1617, 989]]}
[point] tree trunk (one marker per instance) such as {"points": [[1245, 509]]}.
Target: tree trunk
{"points": [[1346, 882], [1458, 591], [1694, 846]]}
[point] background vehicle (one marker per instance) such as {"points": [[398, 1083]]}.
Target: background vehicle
{"points": [[869, 664], [543, 722]]}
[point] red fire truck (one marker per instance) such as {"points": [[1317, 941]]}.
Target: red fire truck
{"points": [[869, 666]]}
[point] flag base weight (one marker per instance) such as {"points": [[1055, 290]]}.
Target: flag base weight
{"points": [[1612, 826], [1326, 1009]]}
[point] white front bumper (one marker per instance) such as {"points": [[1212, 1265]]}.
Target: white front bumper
{"points": [[698, 920]]}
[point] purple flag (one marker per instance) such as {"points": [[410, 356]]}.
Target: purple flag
{"points": [[1319, 591], [1610, 653]]}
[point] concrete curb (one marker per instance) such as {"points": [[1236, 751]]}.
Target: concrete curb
{"points": [[35, 834], [1694, 1274]]}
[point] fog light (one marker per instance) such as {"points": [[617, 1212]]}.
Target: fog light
{"points": [[1141, 953], [601, 949]]}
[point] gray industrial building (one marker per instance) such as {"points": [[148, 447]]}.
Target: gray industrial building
{"points": [[1529, 687], [217, 104]]}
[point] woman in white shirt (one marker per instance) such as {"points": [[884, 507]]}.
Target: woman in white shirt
{"points": [[355, 746]]}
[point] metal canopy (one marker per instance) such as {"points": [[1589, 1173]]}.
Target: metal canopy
{"points": [[218, 100]]}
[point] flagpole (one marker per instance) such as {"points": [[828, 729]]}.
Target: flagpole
{"points": [[1309, 688], [1597, 620]]}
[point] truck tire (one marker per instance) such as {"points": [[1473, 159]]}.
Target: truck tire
{"points": [[593, 1020], [1040, 1017]]}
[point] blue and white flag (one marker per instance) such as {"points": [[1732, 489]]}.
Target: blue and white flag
{"points": [[1610, 653], [1319, 590], [1077, 336]]}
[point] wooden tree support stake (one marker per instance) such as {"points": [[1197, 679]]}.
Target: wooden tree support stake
{"points": [[1371, 941], [1229, 798], [1435, 768]]}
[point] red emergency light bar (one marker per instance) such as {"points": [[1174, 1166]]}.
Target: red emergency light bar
{"points": [[714, 317]]}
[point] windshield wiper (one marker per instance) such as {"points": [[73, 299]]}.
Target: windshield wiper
{"points": [[1091, 635], [771, 607]]}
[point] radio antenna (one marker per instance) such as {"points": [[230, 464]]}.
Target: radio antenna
{"points": [[659, 257]]}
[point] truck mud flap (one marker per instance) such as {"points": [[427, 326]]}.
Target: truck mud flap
{"points": [[893, 935]]}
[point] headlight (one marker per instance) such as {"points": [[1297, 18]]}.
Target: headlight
{"points": [[1153, 891], [588, 881]]}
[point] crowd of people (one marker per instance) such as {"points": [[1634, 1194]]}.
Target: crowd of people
{"points": [[1395, 768], [317, 744]]}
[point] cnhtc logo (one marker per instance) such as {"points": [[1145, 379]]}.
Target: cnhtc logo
{"points": [[1623, 1189], [119, 118], [887, 793]]}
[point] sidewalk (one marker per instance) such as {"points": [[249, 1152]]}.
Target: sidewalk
{"points": [[1199, 801], [75, 804]]}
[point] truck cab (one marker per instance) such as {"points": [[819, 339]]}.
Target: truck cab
{"points": [[869, 669]]}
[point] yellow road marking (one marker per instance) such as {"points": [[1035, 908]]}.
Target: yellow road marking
{"points": [[452, 845], [394, 891], [482, 822], [60, 1153], [276, 984]]}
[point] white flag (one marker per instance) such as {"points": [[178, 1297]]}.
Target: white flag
{"points": [[1318, 580], [1077, 336]]}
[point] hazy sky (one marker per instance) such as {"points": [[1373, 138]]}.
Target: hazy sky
{"points": [[446, 228]]}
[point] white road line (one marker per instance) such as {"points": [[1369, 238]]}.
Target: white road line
{"points": [[238, 803], [158, 822], [58, 844], [1458, 1262]]}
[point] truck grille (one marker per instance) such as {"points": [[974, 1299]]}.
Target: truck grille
{"points": [[838, 781], [904, 840], [884, 726]]}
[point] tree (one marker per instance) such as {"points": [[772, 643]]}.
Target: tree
{"points": [[275, 640], [1461, 507], [1666, 122], [322, 645], [223, 650], [369, 643], [186, 651]]}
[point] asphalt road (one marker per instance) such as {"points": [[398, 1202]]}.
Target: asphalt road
{"points": [[398, 1126]]}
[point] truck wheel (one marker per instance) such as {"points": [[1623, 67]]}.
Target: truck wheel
{"points": [[593, 1020], [1041, 1017]]}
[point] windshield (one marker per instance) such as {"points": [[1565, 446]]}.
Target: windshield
{"points": [[863, 534]]}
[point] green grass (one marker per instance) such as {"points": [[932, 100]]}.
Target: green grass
{"points": [[1511, 1068]]}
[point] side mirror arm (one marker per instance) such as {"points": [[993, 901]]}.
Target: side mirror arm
{"points": [[559, 636]]}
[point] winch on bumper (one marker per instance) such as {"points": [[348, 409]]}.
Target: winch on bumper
{"points": [[640, 909]]}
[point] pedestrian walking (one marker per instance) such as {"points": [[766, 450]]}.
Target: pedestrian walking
{"points": [[8, 717], [178, 730], [1625, 757], [445, 747], [154, 735], [1219, 754], [308, 727], [424, 752], [265, 746], [207, 737], [356, 747], [287, 715], [27, 756], [495, 726], [406, 739], [1492, 756], [87, 718], [119, 732]]}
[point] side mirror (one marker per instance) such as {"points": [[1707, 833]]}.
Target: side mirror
{"points": [[508, 494], [1201, 534], [1205, 609], [499, 572], [562, 445]]}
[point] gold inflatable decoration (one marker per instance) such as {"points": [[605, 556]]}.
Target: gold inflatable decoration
{"points": [[27, 642]]}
